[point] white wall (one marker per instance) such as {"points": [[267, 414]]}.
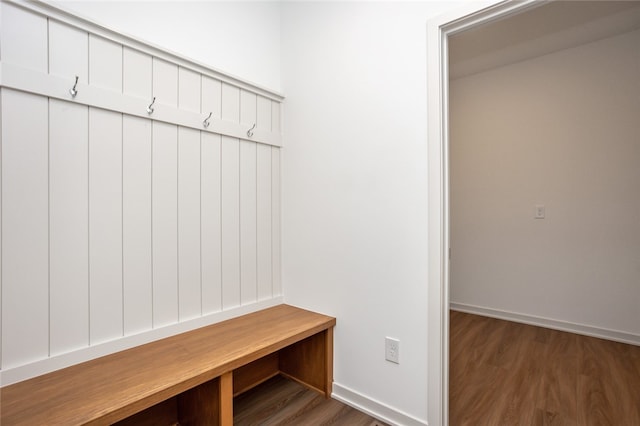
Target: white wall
{"points": [[560, 130], [237, 38], [355, 190]]}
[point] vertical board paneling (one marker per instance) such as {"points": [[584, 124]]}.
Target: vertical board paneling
{"points": [[68, 226], [136, 74], [264, 221], [25, 228], [112, 225], [211, 217], [68, 52], [275, 117], [275, 220], [136, 224], [189, 223], [105, 63], [24, 38], [248, 217], [230, 103], [165, 223], [189, 90], [230, 222], [165, 82], [211, 97], [105, 225], [264, 114], [248, 108]]}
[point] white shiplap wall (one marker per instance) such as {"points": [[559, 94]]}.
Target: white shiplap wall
{"points": [[117, 223]]}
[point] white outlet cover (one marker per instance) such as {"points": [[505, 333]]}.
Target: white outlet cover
{"points": [[392, 350]]}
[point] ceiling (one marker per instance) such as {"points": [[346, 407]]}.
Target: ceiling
{"points": [[546, 28]]}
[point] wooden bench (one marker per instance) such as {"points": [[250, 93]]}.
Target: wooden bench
{"points": [[189, 379]]}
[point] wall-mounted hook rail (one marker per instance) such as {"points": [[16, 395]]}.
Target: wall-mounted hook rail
{"points": [[206, 122], [73, 90], [250, 131], [150, 108]]}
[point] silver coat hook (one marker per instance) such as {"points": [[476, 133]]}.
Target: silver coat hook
{"points": [[150, 108], [73, 90], [250, 131], [206, 123]]}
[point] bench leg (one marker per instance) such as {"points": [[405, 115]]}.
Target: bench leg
{"points": [[226, 399]]}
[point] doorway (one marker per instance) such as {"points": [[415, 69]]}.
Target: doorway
{"points": [[442, 34]]}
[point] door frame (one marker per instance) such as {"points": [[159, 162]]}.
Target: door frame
{"points": [[438, 30]]}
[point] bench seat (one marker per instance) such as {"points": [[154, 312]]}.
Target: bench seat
{"points": [[189, 378]]}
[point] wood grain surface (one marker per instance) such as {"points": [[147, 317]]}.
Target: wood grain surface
{"points": [[111, 388], [506, 373]]}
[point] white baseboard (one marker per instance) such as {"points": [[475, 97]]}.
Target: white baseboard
{"points": [[587, 330], [37, 368], [374, 408]]}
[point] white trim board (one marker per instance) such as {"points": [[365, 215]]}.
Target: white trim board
{"points": [[30, 81], [373, 408], [586, 330]]}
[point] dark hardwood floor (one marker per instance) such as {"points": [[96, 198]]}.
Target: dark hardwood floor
{"points": [[280, 401], [506, 373]]}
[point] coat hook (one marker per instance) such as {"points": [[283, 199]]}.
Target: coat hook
{"points": [[150, 108], [73, 90], [250, 131], [206, 123]]}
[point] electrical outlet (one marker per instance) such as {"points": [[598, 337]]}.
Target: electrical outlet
{"points": [[539, 211], [392, 350]]}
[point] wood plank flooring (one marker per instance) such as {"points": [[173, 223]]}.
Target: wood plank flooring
{"points": [[280, 401], [506, 373]]}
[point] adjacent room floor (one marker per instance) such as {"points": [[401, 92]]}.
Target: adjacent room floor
{"points": [[506, 373]]}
